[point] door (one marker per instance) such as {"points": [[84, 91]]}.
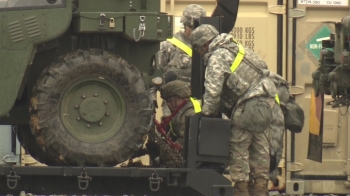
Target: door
{"points": [[306, 29]]}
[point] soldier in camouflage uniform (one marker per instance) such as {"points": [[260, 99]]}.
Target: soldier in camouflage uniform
{"points": [[173, 57], [246, 94], [278, 127], [174, 93], [292, 118]]}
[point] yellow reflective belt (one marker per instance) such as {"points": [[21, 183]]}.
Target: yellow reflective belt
{"points": [[239, 56], [196, 105], [277, 98], [181, 45]]}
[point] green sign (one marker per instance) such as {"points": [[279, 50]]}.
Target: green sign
{"points": [[315, 44]]}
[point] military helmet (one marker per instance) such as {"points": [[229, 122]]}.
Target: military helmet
{"points": [[202, 35], [192, 12], [175, 88]]}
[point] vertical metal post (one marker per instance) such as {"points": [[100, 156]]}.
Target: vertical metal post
{"points": [[289, 72], [347, 184]]}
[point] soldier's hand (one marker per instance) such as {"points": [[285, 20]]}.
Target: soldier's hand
{"points": [[201, 114]]}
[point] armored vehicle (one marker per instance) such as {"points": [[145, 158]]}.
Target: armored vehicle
{"points": [[75, 76]]}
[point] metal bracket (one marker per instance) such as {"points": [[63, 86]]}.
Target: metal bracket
{"points": [[142, 29], [83, 179], [173, 180], [296, 90], [296, 13], [277, 9], [343, 101], [10, 159], [295, 167], [12, 178], [102, 19], [155, 180]]}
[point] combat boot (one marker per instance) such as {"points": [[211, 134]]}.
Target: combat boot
{"points": [[240, 189], [260, 187]]}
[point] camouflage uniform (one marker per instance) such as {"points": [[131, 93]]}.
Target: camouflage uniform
{"points": [[177, 131], [177, 128], [276, 140], [278, 128], [172, 58], [244, 92]]}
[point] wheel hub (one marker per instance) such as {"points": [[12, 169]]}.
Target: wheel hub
{"points": [[92, 109]]}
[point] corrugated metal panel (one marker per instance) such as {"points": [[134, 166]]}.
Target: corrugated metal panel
{"points": [[306, 176]]}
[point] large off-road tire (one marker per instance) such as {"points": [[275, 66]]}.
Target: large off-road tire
{"points": [[91, 108], [28, 142]]}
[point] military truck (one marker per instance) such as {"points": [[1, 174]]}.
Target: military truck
{"points": [[75, 78]]}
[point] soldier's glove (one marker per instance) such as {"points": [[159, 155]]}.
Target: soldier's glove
{"points": [[169, 76]]}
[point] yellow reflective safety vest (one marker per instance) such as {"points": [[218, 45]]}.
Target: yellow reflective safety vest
{"points": [[238, 60], [182, 46], [196, 105], [197, 109]]}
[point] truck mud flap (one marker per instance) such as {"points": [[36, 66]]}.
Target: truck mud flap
{"points": [[316, 128]]}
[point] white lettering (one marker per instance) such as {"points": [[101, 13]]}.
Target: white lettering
{"points": [[315, 46], [324, 2]]}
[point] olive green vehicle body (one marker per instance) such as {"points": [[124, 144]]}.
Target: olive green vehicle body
{"points": [[32, 38], [333, 75]]}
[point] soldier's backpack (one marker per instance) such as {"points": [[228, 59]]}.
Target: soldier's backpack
{"points": [[293, 113]]}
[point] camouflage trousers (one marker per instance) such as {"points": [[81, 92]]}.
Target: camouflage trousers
{"points": [[276, 138], [249, 152]]}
